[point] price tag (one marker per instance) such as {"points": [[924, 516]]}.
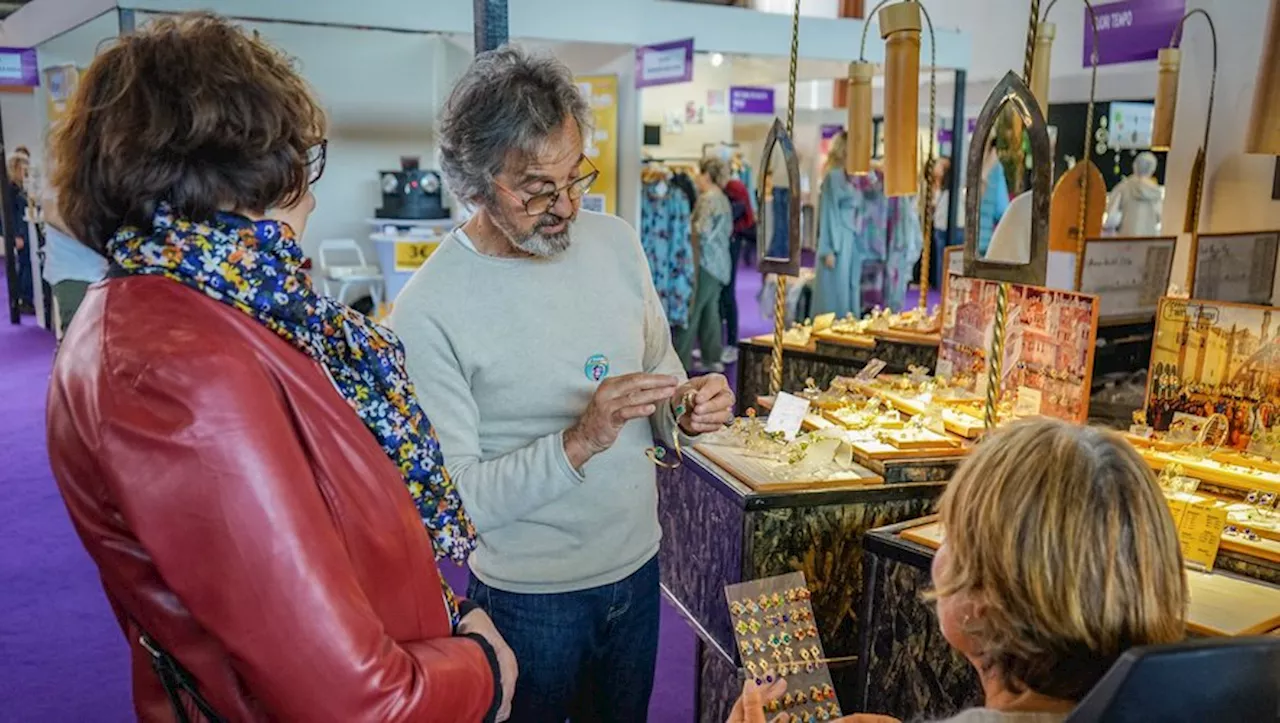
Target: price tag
{"points": [[787, 415], [1200, 529], [412, 254], [1028, 404], [871, 370]]}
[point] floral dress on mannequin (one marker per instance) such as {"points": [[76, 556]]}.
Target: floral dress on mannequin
{"points": [[664, 234]]}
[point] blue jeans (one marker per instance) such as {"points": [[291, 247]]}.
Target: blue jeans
{"points": [[584, 656]]}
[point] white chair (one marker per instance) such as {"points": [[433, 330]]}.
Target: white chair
{"points": [[342, 261]]}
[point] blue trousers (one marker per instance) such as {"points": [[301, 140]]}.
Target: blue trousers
{"points": [[584, 656]]}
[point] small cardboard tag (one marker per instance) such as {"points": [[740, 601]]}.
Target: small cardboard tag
{"points": [[787, 415], [1028, 403]]}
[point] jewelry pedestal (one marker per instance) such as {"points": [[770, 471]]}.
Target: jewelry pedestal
{"points": [[821, 362], [717, 531], [907, 670]]}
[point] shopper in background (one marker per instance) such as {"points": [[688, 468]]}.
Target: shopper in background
{"points": [[542, 350], [995, 196], [712, 231], [941, 189], [744, 236], [229, 443], [1020, 584], [18, 163], [70, 267]]}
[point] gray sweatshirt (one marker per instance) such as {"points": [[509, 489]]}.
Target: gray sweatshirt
{"points": [[504, 353]]}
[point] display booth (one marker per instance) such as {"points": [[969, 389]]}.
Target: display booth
{"points": [[853, 443]]}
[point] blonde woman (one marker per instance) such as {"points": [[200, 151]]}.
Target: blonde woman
{"points": [[1060, 555]]}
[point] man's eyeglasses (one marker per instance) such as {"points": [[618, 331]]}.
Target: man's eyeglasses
{"points": [[541, 203], [316, 159]]}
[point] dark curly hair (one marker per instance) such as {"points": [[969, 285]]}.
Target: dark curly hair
{"points": [[190, 110]]}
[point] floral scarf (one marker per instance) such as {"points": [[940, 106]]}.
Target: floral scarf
{"points": [[258, 268]]}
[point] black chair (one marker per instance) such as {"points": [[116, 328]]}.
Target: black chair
{"points": [[1198, 681]]}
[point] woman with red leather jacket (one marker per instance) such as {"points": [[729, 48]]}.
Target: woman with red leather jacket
{"points": [[245, 459]]}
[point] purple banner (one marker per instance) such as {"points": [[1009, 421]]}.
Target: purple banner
{"points": [[1132, 30], [831, 131], [751, 101], [18, 67], [665, 63], [945, 135]]}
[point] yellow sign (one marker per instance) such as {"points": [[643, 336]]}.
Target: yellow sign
{"points": [[601, 92], [412, 254], [1200, 529]]}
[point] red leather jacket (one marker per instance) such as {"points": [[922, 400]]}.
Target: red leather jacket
{"points": [[241, 514]]}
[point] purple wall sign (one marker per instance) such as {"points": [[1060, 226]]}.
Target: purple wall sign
{"points": [[1132, 30], [18, 67], [665, 63], [831, 131], [751, 101], [945, 135]]}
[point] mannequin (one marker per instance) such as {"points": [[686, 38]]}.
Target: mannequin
{"points": [[850, 209], [1137, 201]]}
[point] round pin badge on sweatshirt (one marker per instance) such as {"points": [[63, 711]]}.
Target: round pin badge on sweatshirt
{"points": [[597, 367]]}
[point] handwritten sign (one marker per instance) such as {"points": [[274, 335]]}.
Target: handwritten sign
{"points": [[1239, 267], [1200, 527], [1128, 276], [787, 415], [412, 254]]}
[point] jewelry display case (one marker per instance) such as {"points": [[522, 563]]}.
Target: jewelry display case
{"points": [[718, 531], [908, 670]]}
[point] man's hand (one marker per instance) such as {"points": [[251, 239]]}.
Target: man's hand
{"points": [[478, 622], [711, 407], [617, 400], [829, 260]]}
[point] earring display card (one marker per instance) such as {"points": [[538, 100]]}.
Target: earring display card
{"points": [[777, 638]]}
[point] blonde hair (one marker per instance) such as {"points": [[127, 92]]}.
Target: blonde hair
{"points": [[836, 153], [1061, 537], [715, 169]]}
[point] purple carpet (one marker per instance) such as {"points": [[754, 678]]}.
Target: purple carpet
{"points": [[62, 657]]}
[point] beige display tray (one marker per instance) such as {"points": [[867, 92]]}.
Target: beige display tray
{"points": [[904, 336], [1206, 470], [755, 472], [767, 340], [1221, 605], [878, 451], [857, 341], [910, 406]]}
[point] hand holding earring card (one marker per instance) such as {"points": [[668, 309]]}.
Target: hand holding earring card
{"points": [[777, 637]]}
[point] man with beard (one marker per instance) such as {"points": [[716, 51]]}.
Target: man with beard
{"points": [[541, 351]]}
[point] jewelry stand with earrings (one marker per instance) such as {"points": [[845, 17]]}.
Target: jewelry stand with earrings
{"points": [[778, 638]]}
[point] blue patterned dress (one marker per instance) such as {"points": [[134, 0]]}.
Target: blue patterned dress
{"points": [[664, 234]]}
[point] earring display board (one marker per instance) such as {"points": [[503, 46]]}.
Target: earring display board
{"points": [[1049, 345], [777, 637], [1237, 267]]}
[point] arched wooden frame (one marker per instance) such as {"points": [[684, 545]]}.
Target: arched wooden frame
{"points": [[789, 266], [1012, 91]]}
